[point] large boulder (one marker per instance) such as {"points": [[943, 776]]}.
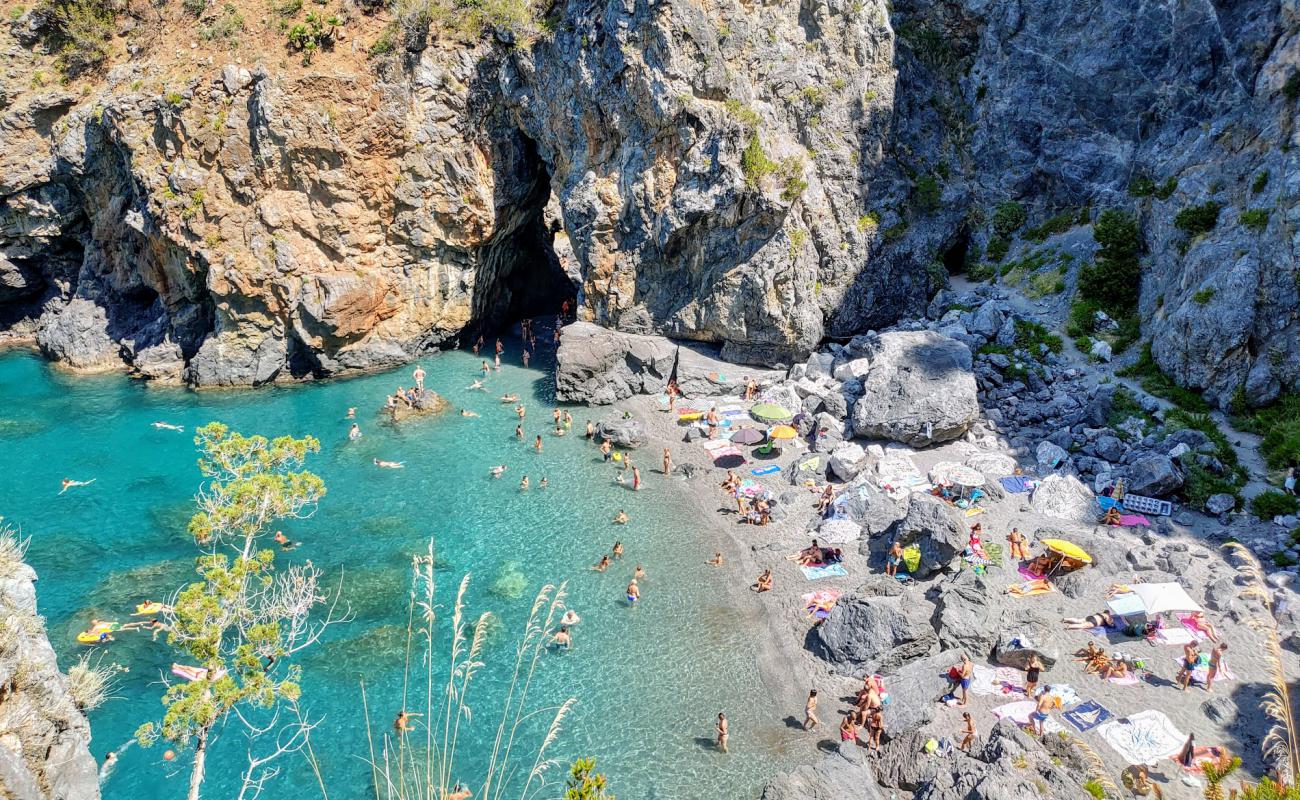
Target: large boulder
{"points": [[624, 431], [992, 465], [1050, 457], [843, 774], [77, 335], [1154, 475], [869, 506], [873, 634], [931, 525], [915, 689], [598, 366], [1065, 497], [973, 613], [700, 372], [847, 460], [919, 389]]}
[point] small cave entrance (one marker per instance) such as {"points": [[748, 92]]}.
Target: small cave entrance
{"points": [[520, 275], [956, 252]]}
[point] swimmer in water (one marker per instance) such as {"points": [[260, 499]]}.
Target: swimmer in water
{"points": [[638, 574], [477, 385], [543, 483], [403, 722], [465, 412], [520, 410], [617, 550], [633, 593], [620, 518], [167, 426], [562, 639], [69, 483], [355, 432], [509, 398], [459, 792], [523, 484], [570, 618], [519, 432], [497, 470], [486, 369], [352, 412], [603, 564], [716, 561], [537, 445], [389, 464], [283, 541]]}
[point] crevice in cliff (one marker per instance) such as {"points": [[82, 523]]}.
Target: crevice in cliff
{"points": [[519, 274], [956, 250]]}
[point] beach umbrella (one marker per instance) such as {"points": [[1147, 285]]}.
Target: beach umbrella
{"points": [[770, 412], [1161, 598], [1067, 549], [783, 432], [748, 436]]}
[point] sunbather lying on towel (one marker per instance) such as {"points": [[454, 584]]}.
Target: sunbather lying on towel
{"points": [[1101, 620]]}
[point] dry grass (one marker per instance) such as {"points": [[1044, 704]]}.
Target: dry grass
{"points": [[1096, 767], [12, 550], [1279, 746], [91, 684]]}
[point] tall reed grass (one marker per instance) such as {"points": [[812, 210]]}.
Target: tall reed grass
{"points": [[423, 763]]}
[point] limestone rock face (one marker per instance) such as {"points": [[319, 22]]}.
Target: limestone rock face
{"points": [[77, 335], [599, 366], [919, 389], [45, 753], [872, 634], [843, 774], [1066, 498], [932, 526]]}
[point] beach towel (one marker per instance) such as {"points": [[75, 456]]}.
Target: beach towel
{"points": [[1030, 588], [970, 512], [768, 470], [999, 681], [1134, 520], [1130, 679], [713, 445], [1016, 484], [1027, 575], [1107, 503], [819, 603], [1087, 716], [1190, 623], [1202, 671], [1200, 757], [1019, 711], [1173, 636], [1143, 738], [828, 571], [1065, 693]]}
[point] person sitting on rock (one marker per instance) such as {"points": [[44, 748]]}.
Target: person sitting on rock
{"points": [[764, 582], [1111, 517]]}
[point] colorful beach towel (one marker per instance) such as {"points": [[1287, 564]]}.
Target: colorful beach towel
{"points": [[713, 445], [1019, 711], [1143, 738], [1134, 521], [1030, 588], [828, 571], [1192, 624], [1129, 679], [819, 603], [1173, 636], [1202, 671], [1016, 484], [1201, 756], [1087, 716], [999, 681], [768, 470]]}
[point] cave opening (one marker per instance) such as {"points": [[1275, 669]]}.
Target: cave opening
{"points": [[956, 253], [521, 276]]}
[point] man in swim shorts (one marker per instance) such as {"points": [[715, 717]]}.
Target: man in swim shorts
{"points": [[1038, 718], [633, 593], [1191, 657], [894, 559], [967, 671]]}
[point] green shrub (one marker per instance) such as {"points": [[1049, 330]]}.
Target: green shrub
{"points": [[81, 33], [754, 162], [1166, 190], [927, 193], [1042, 284], [1084, 343], [868, 221], [1261, 180], [1159, 384], [937, 275], [814, 96], [980, 273], [1141, 186], [1256, 219], [1180, 419], [286, 8], [747, 116], [173, 98], [1093, 787], [1058, 223], [1008, 217], [1195, 220], [386, 43], [1114, 279], [1124, 405], [224, 28], [997, 249], [315, 32], [1279, 425], [195, 7], [894, 231], [792, 182], [1204, 296], [1030, 335], [1283, 559], [1267, 505], [1200, 484], [1083, 314], [1291, 89]]}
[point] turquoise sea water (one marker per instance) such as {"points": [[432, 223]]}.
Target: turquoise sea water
{"points": [[648, 680]]}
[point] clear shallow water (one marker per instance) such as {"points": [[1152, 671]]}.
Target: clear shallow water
{"points": [[649, 681]]}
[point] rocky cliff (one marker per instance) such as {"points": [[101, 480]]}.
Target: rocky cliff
{"points": [[44, 737], [755, 176]]}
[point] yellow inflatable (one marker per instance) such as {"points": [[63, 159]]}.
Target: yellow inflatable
{"points": [[148, 609], [618, 456], [690, 416], [97, 633]]}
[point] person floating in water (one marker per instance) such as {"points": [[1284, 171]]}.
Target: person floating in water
{"points": [[403, 722], [354, 433], [603, 564], [389, 464], [477, 385], [465, 412], [167, 426], [283, 541], [459, 792], [497, 470], [543, 483], [69, 483], [716, 561], [509, 398], [620, 518], [352, 412]]}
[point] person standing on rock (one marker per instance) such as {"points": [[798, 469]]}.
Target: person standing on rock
{"points": [[968, 731], [723, 731], [810, 721], [419, 378], [894, 559], [967, 669]]}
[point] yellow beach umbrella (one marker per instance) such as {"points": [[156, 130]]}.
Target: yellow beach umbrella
{"points": [[782, 432], [1067, 549]]}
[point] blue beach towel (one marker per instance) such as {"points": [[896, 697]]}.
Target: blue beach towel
{"points": [[1016, 484], [1087, 716], [1107, 503], [768, 470], [829, 571]]}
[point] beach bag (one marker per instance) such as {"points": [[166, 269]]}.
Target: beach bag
{"points": [[912, 558]]}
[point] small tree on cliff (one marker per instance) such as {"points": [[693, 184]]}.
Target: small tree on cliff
{"points": [[242, 620]]}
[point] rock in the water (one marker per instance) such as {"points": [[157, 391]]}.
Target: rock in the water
{"points": [[1154, 476], [77, 335], [623, 431], [1064, 497], [932, 526], [599, 366], [919, 390], [872, 634], [843, 774]]}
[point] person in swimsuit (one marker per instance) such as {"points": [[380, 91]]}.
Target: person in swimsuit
{"points": [[668, 461], [620, 518], [849, 727], [617, 550], [1191, 657], [68, 483], [606, 450], [283, 541], [764, 582], [810, 721], [465, 412], [419, 378], [497, 470], [537, 445], [1039, 717], [636, 479], [1102, 620], [875, 728], [543, 483], [519, 432], [1206, 627], [603, 564], [459, 792], [525, 354], [388, 464], [354, 432], [1018, 549], [716, 561], [403, 722], [562, 638], [968, 731], [633, 593], [1032, 671], [1115, 669], [1216, 665], [167, 426], [894, 559], [638, 574], [967, 669], [712, 421], [723, 731], [520, 411], [523, 484], [591, 429]]}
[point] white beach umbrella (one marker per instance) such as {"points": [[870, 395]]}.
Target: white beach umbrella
{"points": [[1159, 598]]}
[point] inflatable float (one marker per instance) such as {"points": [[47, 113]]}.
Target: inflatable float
{"points": [[148, 609], [97, 633]]}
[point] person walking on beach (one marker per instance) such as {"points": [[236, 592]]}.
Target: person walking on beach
{"points": [[668, 461], [419, 378], [968, 731], [1216, 665], [723, 731], [810, 721], [1038, 718], [633, 594], [1191, 657]]}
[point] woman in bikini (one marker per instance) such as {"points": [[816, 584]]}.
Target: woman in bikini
{"points": [[1103, 619]]}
